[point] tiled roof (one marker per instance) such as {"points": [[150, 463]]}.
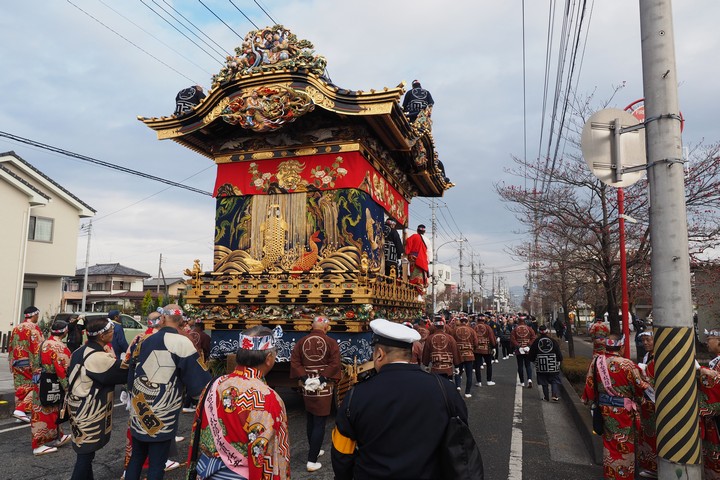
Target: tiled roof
{"points": [[22, 180], [20, 159], [111, 269]]}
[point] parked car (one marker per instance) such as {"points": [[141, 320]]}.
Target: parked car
{"points": [[131, 326]]}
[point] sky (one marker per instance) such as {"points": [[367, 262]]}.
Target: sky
{"points": [[73, 83]]}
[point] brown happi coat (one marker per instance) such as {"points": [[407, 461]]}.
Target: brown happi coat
{"points": [[486, 339], [317, 355], [467, 342], [522, 336], [441, 350]]}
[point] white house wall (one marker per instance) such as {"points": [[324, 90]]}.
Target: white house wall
{"points": [[13, 218]]}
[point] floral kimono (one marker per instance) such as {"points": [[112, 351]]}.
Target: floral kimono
{"points": [[54, 358], [647, 440], [244, 431], [23, 352], [709, 395], [619, 410]]}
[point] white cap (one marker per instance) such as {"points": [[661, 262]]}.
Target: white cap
{"points": [[393, 334]]}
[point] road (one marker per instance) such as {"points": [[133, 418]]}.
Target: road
{"points": [[520, 437]]}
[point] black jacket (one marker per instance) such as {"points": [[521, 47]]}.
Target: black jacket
{"points": [[398, 418]]}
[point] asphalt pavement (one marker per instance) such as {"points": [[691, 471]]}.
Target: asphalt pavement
{"points": [[520, 436]]}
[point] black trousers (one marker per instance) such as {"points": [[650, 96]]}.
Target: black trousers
{"points": [[83, 467], [315, 435], [479, 360], [156, 452], [524, 365]]}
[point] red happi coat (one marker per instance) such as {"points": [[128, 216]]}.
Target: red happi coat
{"points": [[54, 358], [647, 441], [486, 339], [441, 351], [317, 355], [243, 425], [621, 423], [709, 390], [23, 355], [467, 341], [599, 331]]}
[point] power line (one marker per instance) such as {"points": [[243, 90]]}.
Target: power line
{"points": [[243, 14], [194, 26], [266, 13], [223, 21], [132, 43], [154, 37], [180, 32], [112, 166]]}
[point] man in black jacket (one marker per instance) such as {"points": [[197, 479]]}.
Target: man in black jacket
{"points": [[416, 100], [379, 415]]}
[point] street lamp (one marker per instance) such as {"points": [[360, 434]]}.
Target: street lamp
{"points": [[434, 278]]}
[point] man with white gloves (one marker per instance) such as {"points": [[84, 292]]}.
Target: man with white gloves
{"points": [[315, 362]]}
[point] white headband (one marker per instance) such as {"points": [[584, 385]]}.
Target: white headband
{"points": [[107, 327]]}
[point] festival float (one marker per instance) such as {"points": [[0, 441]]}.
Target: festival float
{"points": [[307, 173]]}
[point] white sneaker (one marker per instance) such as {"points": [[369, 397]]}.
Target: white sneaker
{"points": [[188, 410], [478, 384], [468, 395], [179, 439], [529, 385], [490, 383], [44, 449], [321, 453], [171, 465], [482, 366], [497, 361], [521, 384], [505, 358], [313, 466], [459, 389]]}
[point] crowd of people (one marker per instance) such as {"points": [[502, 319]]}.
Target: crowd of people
{"points": [[622, 393], [240, 429]]}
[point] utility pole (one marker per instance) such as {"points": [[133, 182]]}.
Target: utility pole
{"points": [[87, 267], [676, 391], [472, 282], [461, 284], [157, 289], [433, 279]]}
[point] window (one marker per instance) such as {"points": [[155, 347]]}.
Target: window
{"points": [[41, 229]]}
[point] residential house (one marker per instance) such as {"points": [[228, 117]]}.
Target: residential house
{"points": [[167, 287], [40, 221], [110, 286]]}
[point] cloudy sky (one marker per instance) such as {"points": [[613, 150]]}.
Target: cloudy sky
{"points": [[72, 83]]}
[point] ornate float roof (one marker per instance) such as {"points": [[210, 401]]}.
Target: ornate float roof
{"points": [[275, 84]]}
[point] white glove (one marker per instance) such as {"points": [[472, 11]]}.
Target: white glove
{"points": [[643, 368], [124, 397], [457, 371], [697, 365], [312, 384]]}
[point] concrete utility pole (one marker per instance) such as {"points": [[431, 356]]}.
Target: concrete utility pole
{"points": [[472, 282], [87, 267], [433, 279], [678, 436], [461, 285]]}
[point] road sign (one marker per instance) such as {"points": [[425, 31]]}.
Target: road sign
{"points": [[613, 144]]}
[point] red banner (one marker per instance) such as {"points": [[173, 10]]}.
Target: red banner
{"points": [[311, 173]]}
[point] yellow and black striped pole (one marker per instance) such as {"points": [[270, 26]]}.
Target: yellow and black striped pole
{"points": [[676, 400], [676, 391]]}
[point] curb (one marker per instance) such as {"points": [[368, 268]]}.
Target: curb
{"points": [[7, 404], [580, 414]]}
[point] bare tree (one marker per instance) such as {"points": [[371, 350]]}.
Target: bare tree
{"points": [[573, 221]]}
